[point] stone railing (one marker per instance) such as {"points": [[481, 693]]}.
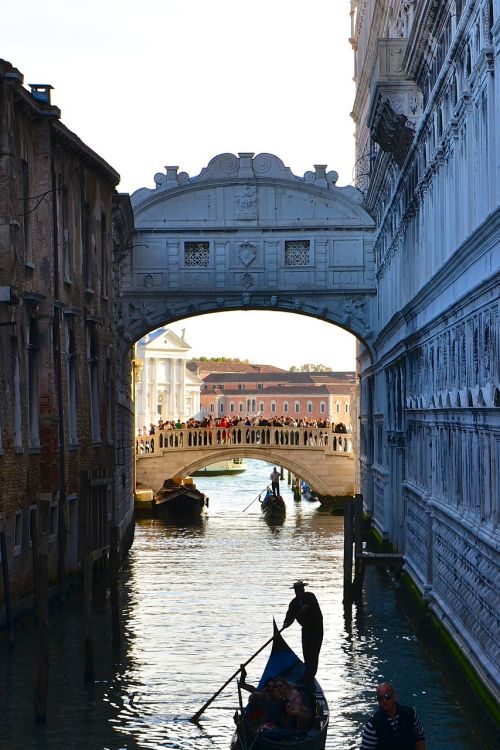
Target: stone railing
{"points": [[301, 438]]}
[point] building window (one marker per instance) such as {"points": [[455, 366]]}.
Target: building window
{"points": [[104, 256], [347, 408], [212, 408], [33, 394], [71, 375], [261, 407], [285, 407], [297, 252], [273, 407], [241, 386], [66, 237], [26, 217], [86, 256], [240, 407], [260, 386], [322, 407], [196, 254], [337, 407], [221, 408], [297, 407], [93, 374], [18, 532], [231, 407], [309, 407], [18, 431]]}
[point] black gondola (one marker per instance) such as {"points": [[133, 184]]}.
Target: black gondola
{"points": [[273, 507], [284, 663]]}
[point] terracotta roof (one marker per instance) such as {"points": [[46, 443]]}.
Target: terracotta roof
{"points": [[233, 367], [283, 377]]}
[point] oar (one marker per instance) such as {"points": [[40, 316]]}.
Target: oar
{"points": [[255, 498], [197, 715]]}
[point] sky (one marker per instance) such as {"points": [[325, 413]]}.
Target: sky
{"points": [[176, 82]]}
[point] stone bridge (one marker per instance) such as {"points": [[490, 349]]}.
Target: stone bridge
{"points": [[324, 459], [248, 234]]}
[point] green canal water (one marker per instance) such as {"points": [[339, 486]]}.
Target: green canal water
{"points": [[197, 601]]}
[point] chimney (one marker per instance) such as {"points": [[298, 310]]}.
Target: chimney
{"points": [[41, 92]]}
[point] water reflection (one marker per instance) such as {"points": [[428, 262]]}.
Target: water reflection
{"points": [[197, 601]]}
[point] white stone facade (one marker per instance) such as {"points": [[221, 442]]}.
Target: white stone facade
{"points": [[165, 389], [427, 111]]}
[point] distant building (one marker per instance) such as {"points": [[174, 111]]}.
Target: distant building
{"points": [[299, 395], [166, 388]]}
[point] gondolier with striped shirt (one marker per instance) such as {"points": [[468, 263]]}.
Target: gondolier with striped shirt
{"points": [[393, 726], [305, 608]]}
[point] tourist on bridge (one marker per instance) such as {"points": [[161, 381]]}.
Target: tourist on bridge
{"points": [[393, 726], [305, 608], [275, 482]]}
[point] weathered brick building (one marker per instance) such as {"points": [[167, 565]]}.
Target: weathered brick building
{"points": [[60, 223]]}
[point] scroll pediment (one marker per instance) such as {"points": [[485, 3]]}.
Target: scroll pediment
{"points": [[247, 191]]}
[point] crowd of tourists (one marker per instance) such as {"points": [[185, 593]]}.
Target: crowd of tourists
{"points": [[316, 432], [225, 422]]}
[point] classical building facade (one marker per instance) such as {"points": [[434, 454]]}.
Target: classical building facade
{"points": [[427, 110], [296, 395], [64, 466], [166, 389]]}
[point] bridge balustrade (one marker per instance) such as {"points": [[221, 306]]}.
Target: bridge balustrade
{"points": [[303, 438]]}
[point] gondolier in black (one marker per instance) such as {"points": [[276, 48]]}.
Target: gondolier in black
{"points": [[305, 609]]}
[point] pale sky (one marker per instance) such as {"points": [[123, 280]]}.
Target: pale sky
{"points": [[176, 82]]}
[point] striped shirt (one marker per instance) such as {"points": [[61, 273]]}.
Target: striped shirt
{"points": [[369, 741]]}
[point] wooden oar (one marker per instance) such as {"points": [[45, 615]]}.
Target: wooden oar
{"points": [[255, 498], [197, 715]]}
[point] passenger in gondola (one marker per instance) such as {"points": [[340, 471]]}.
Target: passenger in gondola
{"points": [[305, 608]]}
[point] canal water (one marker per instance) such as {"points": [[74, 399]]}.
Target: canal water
{"points": [[197, 601]]}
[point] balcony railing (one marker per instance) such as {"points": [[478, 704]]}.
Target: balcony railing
{"points": [[300, 438]]}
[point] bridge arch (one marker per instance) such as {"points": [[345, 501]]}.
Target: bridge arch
{"points": [[248, 234]]}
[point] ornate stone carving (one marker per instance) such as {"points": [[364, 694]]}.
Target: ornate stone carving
{"points": [[391, 132], [247, 253], [246, 203]]}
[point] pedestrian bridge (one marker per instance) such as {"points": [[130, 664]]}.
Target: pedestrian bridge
{"points": [[323, 458]]}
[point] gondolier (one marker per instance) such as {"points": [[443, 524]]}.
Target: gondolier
{"points": [[305, 608]]}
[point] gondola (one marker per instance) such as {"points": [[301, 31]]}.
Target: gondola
{"points": [[283, 662], [273, 507], [179, 501]]}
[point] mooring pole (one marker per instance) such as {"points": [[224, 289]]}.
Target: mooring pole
{"points": [[114, 560], [348, 516], [85, 495], [42, 607], [359, 567], [6, 590]]}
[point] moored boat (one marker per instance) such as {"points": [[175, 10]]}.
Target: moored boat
{"points": [[231, 466], [179, 501], [273, 507], [255, 730]]}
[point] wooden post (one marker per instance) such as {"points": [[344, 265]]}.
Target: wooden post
{"points": [[297, 494], [282, 473], [348, 515], [289, 478], [6, 590], [114, 559], [42, 606], [85, 499]]}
